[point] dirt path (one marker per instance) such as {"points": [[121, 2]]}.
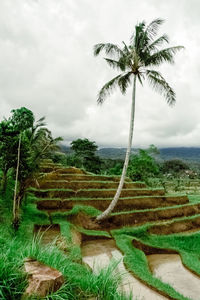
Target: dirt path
{"points": [[169, 268], [97, 254]]}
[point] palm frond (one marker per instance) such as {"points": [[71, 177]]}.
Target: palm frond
{"points": [[109, 48], [40, 120], [137, 36], [107, 89], [58, 139], [160, 85], [140, 76], [152, 29], [147, 36], [124, 81], [158, 42], [119, 65], [165, 55], [126, 49]]}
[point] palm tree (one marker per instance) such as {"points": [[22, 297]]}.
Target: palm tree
{"points": [[135, 61]]}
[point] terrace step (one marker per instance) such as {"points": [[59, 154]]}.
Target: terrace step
{"points": [[50, 164], [60, 169], [177, 225], [47, 160], [154, 215], [95, 193], [47, 169], [71, 170], [82, 177], [129, 203], [77, 185]]}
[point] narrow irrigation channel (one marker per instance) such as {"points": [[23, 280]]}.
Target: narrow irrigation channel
{"points": [[169, 268], [98, 254]]}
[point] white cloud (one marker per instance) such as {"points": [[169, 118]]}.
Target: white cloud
{"points": [[46, 64]]}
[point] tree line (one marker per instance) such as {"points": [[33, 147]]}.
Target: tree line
{"points": [[24, 142], [144, 164]]}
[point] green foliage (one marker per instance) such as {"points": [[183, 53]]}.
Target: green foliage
{"points": [[116, 170], [8, 152], [143, 165], [187, 245], [23, 143], [174, 166], [83, 147], [21, 119], [136, 261], [85, 155], [36, 143], [137, 59], [80, 282]]}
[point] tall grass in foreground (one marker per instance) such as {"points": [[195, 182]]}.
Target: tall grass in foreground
{"points": [[80, 282]]}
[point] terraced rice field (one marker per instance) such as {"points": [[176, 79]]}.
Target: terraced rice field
{"points": [[137, 234]]}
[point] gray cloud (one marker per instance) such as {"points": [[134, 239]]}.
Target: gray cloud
{"points": [[47, 65]]}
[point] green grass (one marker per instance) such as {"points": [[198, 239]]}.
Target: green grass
{"points": [[97, 233], [89, 181], [169, 222], [194, 198], [80, 282], [137, 263], [32, 189], [187, 245], [121, 198], [89, 210], [154, 209]]}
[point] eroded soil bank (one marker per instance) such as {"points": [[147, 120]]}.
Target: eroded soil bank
{"points": [[97, 254], [169, 268]]}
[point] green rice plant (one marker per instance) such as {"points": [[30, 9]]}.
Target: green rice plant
{"points": [[137, 263], [194, 198], [80, 281], [89, 210], [97, 233]]}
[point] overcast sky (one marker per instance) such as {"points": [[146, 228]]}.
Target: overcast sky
{"points": [[47, 65]]}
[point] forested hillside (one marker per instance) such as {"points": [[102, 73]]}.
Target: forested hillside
{"points": [[186, 153]]}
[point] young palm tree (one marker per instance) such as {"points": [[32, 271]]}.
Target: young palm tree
{"points": [[135, 61]]}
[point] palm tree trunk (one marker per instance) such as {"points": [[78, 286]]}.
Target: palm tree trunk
{"points": [[15, 207], [106, 213]]}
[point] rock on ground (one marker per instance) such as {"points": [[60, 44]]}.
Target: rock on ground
{"points": [[42, 279]]}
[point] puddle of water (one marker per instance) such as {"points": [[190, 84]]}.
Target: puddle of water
{"points": [[169, 268], [97, 254]]}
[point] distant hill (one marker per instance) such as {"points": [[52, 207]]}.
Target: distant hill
{"points": [[185, 153], [114, 153]]}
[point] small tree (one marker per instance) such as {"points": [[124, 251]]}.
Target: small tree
{"points": [[142, 165], [21, 120], [8, 150], [174, 166], [23, 144], [85, 155]]}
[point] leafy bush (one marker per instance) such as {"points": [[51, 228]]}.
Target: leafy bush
{"points": [[142, 166]]}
